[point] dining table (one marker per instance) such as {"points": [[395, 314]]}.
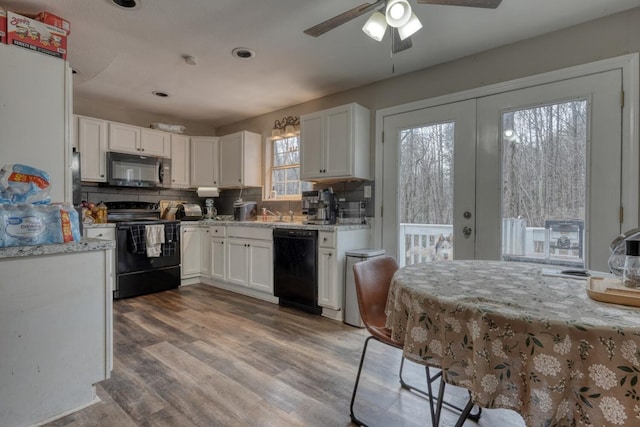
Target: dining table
{"points": [[520, 339]]}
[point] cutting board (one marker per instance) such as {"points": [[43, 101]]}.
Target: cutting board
{"points": [[611, 290], [168, 208]]}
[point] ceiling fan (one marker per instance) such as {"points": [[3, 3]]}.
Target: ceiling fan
{"points": [[402, 26]]}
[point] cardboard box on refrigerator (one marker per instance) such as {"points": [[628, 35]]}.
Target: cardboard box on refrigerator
{"points": [[56, 21], [37, 36]]}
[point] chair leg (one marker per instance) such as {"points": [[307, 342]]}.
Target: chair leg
{"points": [[465, 413], [434, 421], [428, 394], [355, 386]]}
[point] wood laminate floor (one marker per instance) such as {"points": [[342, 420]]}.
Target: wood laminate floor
{"points": [[202, 356]]}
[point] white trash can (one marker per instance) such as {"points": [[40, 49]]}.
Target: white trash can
{"points": [[351, 310]]}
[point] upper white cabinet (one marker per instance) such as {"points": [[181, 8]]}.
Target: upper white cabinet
{"points": [[241, 160], [205, 171], [180, 160], [92, 144], [124, 138], [136, 140], [155, 142], [335, 143]]}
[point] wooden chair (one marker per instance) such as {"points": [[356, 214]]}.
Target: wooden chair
{"points": [[372, 280]]}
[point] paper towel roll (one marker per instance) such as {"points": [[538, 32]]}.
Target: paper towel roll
{"points": [[208, 192]]}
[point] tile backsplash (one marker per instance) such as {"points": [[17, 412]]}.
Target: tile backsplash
{"points": [[352, 191]]}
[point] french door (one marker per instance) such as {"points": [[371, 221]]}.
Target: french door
{"points": [[532, 174]]}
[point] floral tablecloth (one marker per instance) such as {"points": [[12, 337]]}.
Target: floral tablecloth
{"points": [[520, 340]]}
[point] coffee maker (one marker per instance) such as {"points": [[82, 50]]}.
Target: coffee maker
{"points": [[320, 206]]}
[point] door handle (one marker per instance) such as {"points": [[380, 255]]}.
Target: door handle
{"points": [[467, 231]]}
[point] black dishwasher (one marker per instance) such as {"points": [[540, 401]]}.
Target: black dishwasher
{"points": [[295, 268]]}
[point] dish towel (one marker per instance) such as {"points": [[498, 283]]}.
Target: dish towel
{"points": [[170, 239], [154, 238], [136, 241]]}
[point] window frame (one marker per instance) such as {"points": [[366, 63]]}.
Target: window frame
{"points": [[268, 172]]}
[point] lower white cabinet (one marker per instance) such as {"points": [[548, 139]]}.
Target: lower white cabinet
{"points": [[332, 248], [249, 255], [218, 258], [328, 280], [190, 254]]}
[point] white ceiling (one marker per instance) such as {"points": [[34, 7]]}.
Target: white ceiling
{"points": [[122, 56]]}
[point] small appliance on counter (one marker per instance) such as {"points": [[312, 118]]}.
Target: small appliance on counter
{"points": [[320, 206], [210, 210], [245, 211], [189, 212]]}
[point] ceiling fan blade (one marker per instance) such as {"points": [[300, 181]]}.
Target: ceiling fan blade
{"points": [[336, 21], [488, 4], [397, 44]]}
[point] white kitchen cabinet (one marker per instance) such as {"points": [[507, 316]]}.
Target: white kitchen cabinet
{"points": [[335, 143], [218, 258], [190, 254], [249, 256], [155, 142], [237, 260], [328, 280], [91, 135], [124, 138], [205, 252], [205, 170], [332, 246], [180, 149], [241, 160], [131, 139]]}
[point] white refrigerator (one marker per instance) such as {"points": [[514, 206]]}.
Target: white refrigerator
{"points": [[36, 115]]}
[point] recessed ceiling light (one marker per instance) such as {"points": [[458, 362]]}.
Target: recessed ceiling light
{"points": [[160, 94], [243, 53], [127, 4]]}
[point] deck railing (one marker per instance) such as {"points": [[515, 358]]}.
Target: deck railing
{"points": [[420, 243]]}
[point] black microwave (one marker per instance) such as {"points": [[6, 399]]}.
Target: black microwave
{"points": [[133, 170]]}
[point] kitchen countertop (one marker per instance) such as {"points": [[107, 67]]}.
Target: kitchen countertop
{"points": [[84, 245], [284, 224]]}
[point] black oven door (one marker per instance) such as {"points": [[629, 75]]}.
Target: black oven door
{"points": [[138, 274], [129, 262]]}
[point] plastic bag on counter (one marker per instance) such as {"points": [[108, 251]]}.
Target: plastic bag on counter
{"points": [[24, 184], [27, 225]]}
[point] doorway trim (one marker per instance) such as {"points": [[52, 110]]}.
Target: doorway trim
{"points": [[630, 66]]}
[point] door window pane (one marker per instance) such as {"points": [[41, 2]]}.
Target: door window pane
{"points": [[426, 193], [544, 183]]}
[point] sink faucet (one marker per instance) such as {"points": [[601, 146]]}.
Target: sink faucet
{"points": [[277, 214]]}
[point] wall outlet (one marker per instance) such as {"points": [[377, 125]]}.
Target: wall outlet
{"points": [[367, 191]]}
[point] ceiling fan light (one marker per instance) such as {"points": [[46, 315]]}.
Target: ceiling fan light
{"points": [[410, 27], [398, 12], [376, 26]]}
